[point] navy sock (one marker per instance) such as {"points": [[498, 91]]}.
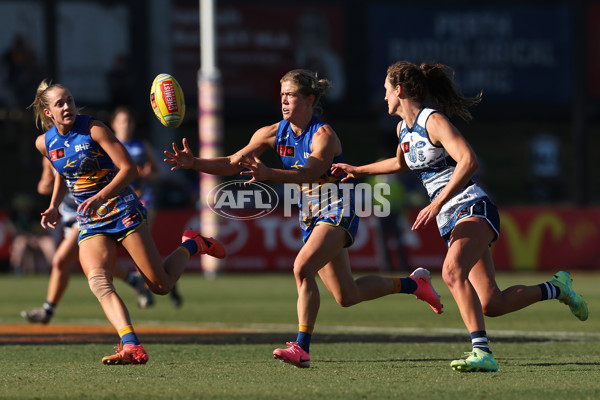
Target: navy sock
{"points": [[479, 341], [191, 246], [131, 278], [303, 340], [407, 285], [549, 291], [128, 336]]}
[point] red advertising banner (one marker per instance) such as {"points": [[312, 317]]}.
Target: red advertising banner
{"points": [[263, 244], [5, 236], [531, 238], [548, 238]]}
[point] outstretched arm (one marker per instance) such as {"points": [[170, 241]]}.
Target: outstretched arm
{"points": [[262, 139], [325, 145], [387, 166]]}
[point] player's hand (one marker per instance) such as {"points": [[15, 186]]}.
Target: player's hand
{"points": [[89, 205], [339, 169], [50, 218], [180, 158], [254, 168], [426, 215]]}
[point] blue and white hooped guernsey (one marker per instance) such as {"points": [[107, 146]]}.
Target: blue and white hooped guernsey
{"points": [[293, 152], [434, 167]]}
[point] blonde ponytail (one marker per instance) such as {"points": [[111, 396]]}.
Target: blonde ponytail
{"points": [[41, 102]]}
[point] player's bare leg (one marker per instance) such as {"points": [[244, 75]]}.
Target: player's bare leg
{"points": [[66, 255]]}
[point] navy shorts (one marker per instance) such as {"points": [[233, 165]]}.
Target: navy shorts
{"points": [[482, 208], [348, 223], [118, 228]]}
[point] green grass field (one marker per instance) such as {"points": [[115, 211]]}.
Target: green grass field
{"points": [[390, 348]]}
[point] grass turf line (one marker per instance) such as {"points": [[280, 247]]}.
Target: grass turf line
{"points": [[396, 365]]}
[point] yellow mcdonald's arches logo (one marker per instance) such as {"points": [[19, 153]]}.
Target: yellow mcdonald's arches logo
{"points": [[525, 247], [582, 231]]}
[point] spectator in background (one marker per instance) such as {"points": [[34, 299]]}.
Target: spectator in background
{"points": [[314, 51], [545, 183], [120, 83], [32, 248], [393, 228], [22, 71]]}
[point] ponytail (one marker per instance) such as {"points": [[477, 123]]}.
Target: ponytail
{"points": [[41, 102], [308, 83], [432, 83], [444, 93]]}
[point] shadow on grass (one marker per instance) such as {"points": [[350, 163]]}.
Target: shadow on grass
{"points": [[561, 364], [246, 338], [398, 360]]}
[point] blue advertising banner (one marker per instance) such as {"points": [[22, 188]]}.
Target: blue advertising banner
{"points": [[516, 54]]}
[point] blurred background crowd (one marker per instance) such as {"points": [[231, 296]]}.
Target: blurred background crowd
{"points": [[537, 63]]}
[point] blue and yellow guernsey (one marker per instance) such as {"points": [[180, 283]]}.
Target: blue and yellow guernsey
{"points": [[137, 150], [87, 169], [323, 201]]}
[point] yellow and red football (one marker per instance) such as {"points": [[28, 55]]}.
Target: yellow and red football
{"points": [[166, 98]]}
